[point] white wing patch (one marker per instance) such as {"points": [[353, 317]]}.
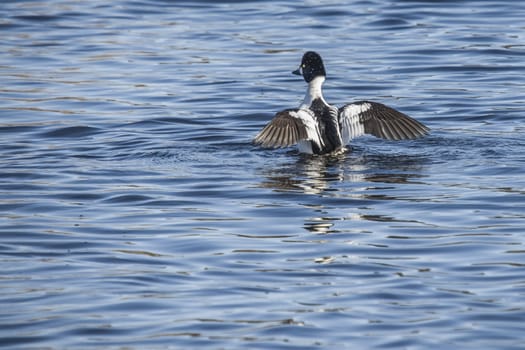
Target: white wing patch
{"points": [[312, 128], [350, 121]]}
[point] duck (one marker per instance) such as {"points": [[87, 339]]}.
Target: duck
{"points": [[319, 128]]}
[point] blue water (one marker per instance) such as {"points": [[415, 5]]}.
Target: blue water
{"points": [[136, 214]]}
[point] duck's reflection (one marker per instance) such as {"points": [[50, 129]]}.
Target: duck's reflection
{"points": [[363, 179], [307, 174], [316, 174]]}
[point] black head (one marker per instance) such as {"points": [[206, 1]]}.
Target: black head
{"points": [[311, 66]]}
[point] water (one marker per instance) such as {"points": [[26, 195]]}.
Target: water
{"points": [[135, 213]]}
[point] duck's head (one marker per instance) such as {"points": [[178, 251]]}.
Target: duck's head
{"points": [[311, 66]]}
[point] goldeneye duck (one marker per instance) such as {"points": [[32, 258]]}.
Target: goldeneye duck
{"points": [[319, 128]]}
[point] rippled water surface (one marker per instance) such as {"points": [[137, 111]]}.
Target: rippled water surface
{"points": [[135, 212]]}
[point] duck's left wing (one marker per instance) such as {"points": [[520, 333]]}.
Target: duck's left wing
{"points": [[365, 117], [287, 128]]}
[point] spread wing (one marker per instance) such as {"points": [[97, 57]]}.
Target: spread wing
{"points": [[288, 128], [364, 117]]}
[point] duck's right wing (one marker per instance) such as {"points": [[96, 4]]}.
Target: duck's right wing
{"points": [[366, 117], [288, 128]]}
